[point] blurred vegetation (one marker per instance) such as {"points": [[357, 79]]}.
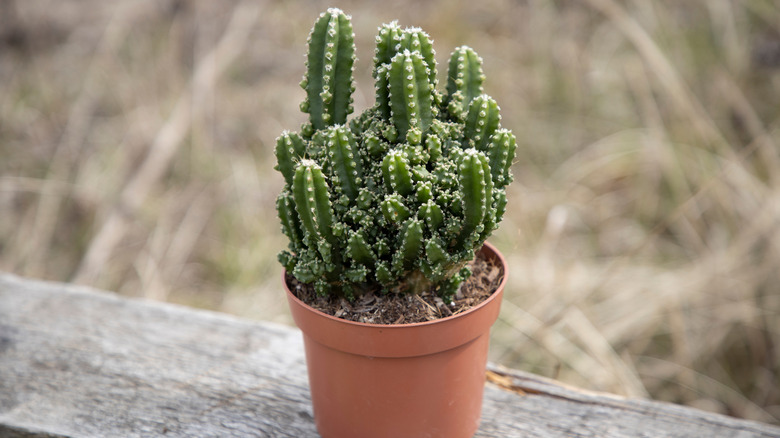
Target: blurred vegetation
{"points": [[643, 233]]}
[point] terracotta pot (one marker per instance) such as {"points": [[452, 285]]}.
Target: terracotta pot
{"points": [[404, 380]]}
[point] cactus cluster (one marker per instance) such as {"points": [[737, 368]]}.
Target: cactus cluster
{"points": [[399, 198]]}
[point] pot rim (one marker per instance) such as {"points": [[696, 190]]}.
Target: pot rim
{"points": [[498, 255], [400, 340]]}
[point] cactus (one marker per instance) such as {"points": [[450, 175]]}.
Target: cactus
{"points": [[399, 198], [464, 81], [328, 82]]}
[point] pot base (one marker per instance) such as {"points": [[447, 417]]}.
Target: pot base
{"points": [[438, 395]]}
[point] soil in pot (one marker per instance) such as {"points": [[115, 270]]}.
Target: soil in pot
{"points": [[378, 308]]}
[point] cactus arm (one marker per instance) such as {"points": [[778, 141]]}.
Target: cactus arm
{"points": [[345, 69], [387, 43], [359, 250], [383, 274], [307, 269], [344, 160], [431, 214], [291, 226], [356, 275], [310, 193], [477, 190], [330, 62], [423, 191], [438, 261], [433, 145], [501, 152], [500, 203], [410, 95], [482, 121], [390, 41], [495, 215], [435, 254], [411, 244], [464, 80], [394, 209], [373, 145], [396, 173], [290, 148], [382, 92], [415, 39]]}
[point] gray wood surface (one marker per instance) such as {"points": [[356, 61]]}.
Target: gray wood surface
{"points": [[75, 362]]}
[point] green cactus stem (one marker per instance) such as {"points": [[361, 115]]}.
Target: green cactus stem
{"points": [[410, 95], [291, 226], [482, 120], [432, 215], [464, 80], [394, 210], [290, 148], [411, 244], [501, 152], [416, 40], [387, 44], [310, 193], [436, 254], [328, 81], [359, 250], [396, 172], [391, 41], [433, 145], [344, 160], [476, 186]]}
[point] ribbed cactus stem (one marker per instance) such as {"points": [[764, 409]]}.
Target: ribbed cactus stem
{"points": [[435, 254], [396, 173], [423, 191], [359, 250], [382, 90], [411, 244], [291, 225], [410, 94], [290, 148], [416, 40], [476, 186], [495, 214], [344, 160], [394, 210], [482, 120], [439, 261], [310, 193], [330, 63], [391, 41], [388, 42], [464, 80], [432, 215], [501, 152], [433, 145]]}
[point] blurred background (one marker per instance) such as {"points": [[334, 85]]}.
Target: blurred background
{"points": [[643, 231]]}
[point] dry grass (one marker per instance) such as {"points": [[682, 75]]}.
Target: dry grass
{"points": [[644, 225]]}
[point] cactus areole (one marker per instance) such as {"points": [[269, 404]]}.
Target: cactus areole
{"points": [[400, 197]]}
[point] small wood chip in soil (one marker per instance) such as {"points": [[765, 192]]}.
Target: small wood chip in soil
{"points": [[377, 308]]}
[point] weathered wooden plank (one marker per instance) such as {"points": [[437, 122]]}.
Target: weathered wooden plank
{"points": [[545, 408], [75, 362]]}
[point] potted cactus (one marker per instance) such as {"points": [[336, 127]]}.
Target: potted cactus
{"points": [[397, 200]]}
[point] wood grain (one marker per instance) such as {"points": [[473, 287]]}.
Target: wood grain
{"points": [[76, 362]]}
